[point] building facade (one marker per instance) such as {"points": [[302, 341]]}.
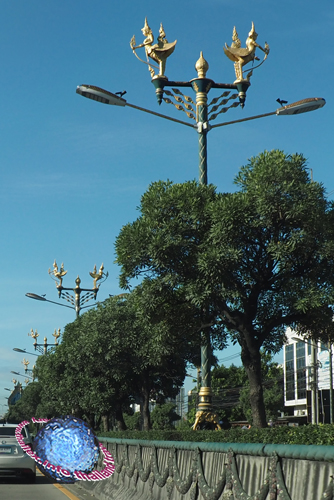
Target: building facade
{"points": [[300, 379]]}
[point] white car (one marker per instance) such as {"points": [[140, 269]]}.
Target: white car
{"points": [[13, 460]]}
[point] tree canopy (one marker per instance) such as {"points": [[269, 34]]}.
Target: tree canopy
{"points": [[126, 350], [255, 261]]}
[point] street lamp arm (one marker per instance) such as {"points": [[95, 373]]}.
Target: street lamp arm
{"points": [[38, 297], [106, 97], [160, 115], [295, 108], [243, 120], [16, 349]]}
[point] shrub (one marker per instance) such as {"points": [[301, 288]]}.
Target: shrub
{"points": [[306, 434]]}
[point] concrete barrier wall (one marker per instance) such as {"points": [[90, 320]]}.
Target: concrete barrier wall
{"points": [[146, 470]]}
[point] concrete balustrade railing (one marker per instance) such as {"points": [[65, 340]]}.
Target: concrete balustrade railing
{"points": [[160, 470]]}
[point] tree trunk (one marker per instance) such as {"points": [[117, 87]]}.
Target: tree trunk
{"points": [[105, 422], [91, 420], [251, 360], [121, 426], [77, 412], [145, 390]]}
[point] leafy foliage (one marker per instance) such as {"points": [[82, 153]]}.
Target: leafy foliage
{"points": [[30, 405], [230, 386], [163, 416], [251, 262], [126, 350], [133, 422]]}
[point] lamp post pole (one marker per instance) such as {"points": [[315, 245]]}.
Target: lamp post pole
{"points": [[203, 113], [330, 383]]}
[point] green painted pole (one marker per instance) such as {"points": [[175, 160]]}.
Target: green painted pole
{"points": [[201, 86]]}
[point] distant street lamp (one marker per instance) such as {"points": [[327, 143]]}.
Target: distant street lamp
{"points": [[76, 300], [43, 348], [26, 363]]}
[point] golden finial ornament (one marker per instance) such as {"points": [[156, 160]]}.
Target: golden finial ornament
{"points": [[242, 56], [158, 52], [201, 66]]}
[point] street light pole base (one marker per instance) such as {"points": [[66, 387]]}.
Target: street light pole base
{"points": [[206, 420]]}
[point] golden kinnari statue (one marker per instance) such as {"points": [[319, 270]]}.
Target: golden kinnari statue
{"points": [[33, 335], [158, 51], [242, 56], [58, 274], [97, 275]]}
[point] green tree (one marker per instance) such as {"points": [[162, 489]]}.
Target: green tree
{"points": [[122, 351], [134, 421], [273, 390], [160, 350], [163, 416], [87, 374], [254, 261], [30, 404], [231, 392], [227, 384]]}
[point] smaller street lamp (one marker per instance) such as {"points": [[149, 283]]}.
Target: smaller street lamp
{"points": [[26, 363], [43, 348], [75, 300]]}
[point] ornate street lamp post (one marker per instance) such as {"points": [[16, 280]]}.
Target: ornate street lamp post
{"points": [[42, 348], [77, 300], [202, 113], [26, 363]]}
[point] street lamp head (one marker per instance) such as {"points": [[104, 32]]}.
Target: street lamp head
{"points": [[100, 95], [24, 351], [303, 106], [35, 296]]}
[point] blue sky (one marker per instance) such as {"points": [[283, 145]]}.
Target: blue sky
{"points": [[73, 170]]}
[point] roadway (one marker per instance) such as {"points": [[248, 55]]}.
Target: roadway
{"points": [[14, 489]]}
